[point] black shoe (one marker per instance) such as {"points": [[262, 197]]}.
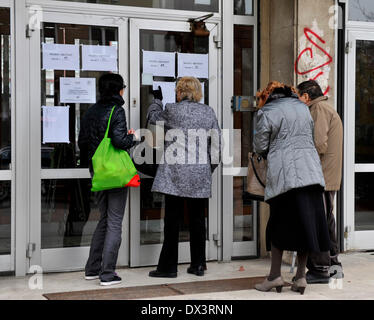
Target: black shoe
{"points": [[198, 271], [159, 274], [115, 280], [312, 278]]}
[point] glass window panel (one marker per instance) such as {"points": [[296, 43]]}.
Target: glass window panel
{"points": [[191, 5], [152, 217], [361, 10], [243, 211], [5, 217], [243, 86], [243, 7], [63, 155], [153, 204], [365, 102], [5, 89], [69, 213], [364, 206]]}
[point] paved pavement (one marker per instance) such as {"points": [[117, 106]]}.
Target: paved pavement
{"points": [[357, 284]]}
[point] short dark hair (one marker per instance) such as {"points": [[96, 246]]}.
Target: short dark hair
{"points": [[311, 87], [110, 84]]}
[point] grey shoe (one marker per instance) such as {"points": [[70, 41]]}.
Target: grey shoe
{"points": [[299, 286], [267, 285]]}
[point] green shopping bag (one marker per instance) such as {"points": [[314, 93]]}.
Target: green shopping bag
{"points": [[113, 168]]}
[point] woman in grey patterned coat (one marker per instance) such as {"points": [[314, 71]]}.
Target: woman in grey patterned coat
{"points": [[184, 176]]}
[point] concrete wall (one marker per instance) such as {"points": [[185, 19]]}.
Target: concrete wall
{"points": [[297, 44], [316, 44]]}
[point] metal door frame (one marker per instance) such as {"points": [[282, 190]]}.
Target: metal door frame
{"points": [[148, 254], [7, 261], [354, 239], [230, 248]]}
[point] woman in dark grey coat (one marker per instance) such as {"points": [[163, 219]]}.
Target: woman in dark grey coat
{"points": [[294, 182], [192, 152]]}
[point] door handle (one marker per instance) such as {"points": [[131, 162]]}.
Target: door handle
{"points": [[134, 103]]}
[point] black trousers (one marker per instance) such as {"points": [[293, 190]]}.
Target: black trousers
{"points": [[320, 263], [174, 210]]}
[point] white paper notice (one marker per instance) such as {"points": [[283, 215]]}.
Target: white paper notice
{"points": [[78, 90], [168, 91], [159, 64], [100, 58], [56, 125], [193, 65], [60, 57]]}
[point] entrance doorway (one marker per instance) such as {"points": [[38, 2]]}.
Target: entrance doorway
{"points": [[64, 213], [149, 37], [359, 137]]}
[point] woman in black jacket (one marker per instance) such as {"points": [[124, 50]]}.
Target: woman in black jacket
{"points": [[107, 237]]}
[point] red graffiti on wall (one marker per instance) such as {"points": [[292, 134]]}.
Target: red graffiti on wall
{"points": [[308, 34]]}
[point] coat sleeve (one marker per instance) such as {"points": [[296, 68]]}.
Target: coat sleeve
{"points": [[321, 129], [261, 141], [118, 131], [156, 113]]}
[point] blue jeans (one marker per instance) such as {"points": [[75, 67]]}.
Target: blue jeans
{"points": [[107, 238]]}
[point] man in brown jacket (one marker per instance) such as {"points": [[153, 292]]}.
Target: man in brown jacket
{"points": [[328, 138]]}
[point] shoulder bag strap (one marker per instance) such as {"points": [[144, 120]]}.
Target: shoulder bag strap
{"points": [[110, 118]]}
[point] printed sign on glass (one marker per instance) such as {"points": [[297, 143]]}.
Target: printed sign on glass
{"points": [[159, 64], [78, 90], [193, 65], [99, 58], [60, 57], [55, 124]]}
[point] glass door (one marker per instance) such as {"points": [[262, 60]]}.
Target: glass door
{"points": [[6, 141], [164, 41], [359, 136], [68, 55]]}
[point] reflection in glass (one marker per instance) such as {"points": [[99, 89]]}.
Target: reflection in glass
{"points": [[69, 213], [152, 209], [361, 10], [60, 156], [5, 89], [243, 7], [192, 5], [243, 211], [5, 217], [365, 102], [243, 86], [364, 206]]}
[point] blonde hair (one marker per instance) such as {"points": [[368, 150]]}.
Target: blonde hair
{"points": [[190, 88]]}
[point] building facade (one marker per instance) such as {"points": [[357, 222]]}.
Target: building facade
{"points": [[53, 52]]}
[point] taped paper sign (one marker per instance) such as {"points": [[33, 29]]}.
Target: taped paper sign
{"points": [[168, 91], [193, 65], [100, 58], [60, 57], [78, 90], [55, 124], [159, 64]]}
